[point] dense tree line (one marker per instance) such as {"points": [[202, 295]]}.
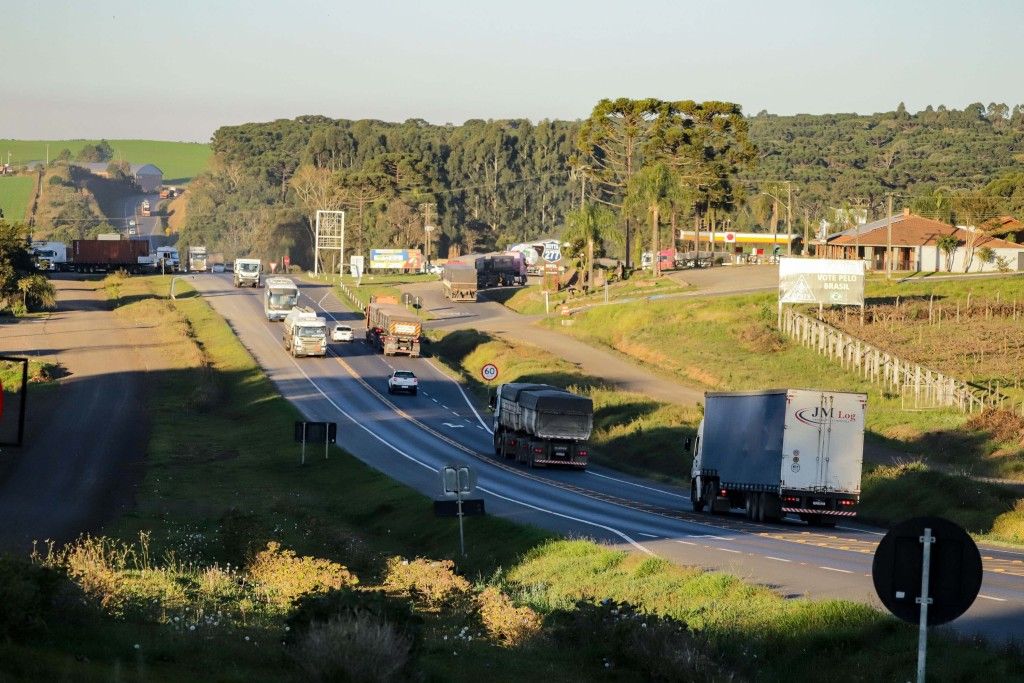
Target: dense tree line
{"points": [[491, 183]]}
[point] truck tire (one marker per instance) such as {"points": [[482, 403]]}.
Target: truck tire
{"points": [[759, 507], [499, 442], [696, 499], [710, 489], [750, 508]]}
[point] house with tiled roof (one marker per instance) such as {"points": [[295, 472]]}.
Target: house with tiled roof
{"points": [[1005, 227], [915, 246]]}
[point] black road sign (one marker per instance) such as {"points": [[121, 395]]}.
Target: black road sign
{"points": [[316, 432], [471, 507], [954, 574]]}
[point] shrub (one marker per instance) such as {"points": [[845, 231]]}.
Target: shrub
{"points": [[240, 535], [352, 647], [659, 648], [27, 592], [511, 625], [434, 583], [284, 577], [311, 609]]}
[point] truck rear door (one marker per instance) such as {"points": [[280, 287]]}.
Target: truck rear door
{"points": [[823, 446]]}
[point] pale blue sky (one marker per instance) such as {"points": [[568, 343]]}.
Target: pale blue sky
{"points": [[179, 69]]}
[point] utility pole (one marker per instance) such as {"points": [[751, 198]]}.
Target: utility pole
{"points": [[807, 231], [427, 208], [888, 241], [789, 218]]}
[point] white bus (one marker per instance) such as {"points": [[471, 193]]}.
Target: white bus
{"points": [[280, 296]]}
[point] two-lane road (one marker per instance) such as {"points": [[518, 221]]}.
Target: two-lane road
{"points": [[411, 437]]}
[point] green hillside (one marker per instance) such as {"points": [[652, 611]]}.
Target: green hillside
{"points": [[180, 161], [15, 194]]}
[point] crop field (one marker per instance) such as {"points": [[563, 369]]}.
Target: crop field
{"points": [[15, 194], [180, 161], [971, 329]]}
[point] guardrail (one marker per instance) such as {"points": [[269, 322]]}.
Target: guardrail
{"points": [[921, 386]]}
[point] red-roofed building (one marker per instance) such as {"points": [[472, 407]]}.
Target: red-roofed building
{"points": [[915, 246]]}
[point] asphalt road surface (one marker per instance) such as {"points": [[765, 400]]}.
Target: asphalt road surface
{"points": [[411, 437]]}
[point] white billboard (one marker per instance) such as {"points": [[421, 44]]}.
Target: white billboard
{"points": [[821, 281]]}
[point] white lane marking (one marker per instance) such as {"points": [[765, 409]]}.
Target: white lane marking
{"points": [[991, 597], [452, 426], [865, 531], [777, 559], [639, 486], [446, 407], [685, 542], [434, 400], [833, 569], [648, 535], [481, 428], [718, 538], [727, 550], [341, 410], [613, 530], [464, 397]]}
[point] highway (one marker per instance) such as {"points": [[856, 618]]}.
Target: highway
{"points": [[411, 437]]}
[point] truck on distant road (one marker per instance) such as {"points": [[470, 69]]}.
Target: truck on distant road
{"points": [[247, 272], [88, 256], [280, 296], [539, 424], [145, 209], [50, 256], [197, 261], [304, 333], [459, 281], [779, 452], [391, 328], [166, 260]]}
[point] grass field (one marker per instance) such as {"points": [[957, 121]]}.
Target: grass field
{"points": [[15, 194], [169, 606], [530, 300], [180, 161]]}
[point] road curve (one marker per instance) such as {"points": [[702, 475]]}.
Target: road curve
{"points": [[411, 437]]}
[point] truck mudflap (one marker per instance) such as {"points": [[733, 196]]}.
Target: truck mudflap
{"points": [[546, 453]]}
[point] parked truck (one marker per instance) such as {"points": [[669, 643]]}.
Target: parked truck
{"points": [[197, 261], [247, 272], [779, 452], [304, 333], [280, 296], [166, 260], [459, 281], [89, 256], [391, 328], [539, 424]]}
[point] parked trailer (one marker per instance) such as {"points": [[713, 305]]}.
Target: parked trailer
{"points": [[459, 281], [89, 256], [779, 452], [501, 270], [392, 329], [539, 424]]}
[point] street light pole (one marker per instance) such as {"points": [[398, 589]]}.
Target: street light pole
{"points": [[789, 218]]}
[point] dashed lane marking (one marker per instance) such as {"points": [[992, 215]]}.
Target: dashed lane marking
{"points": [[647, 535], [991, 597], [685, 542], [833, 569], [777, 559], [727, 550]]}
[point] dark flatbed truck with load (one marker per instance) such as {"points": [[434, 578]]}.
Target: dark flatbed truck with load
{"points": [[538, 424], [392, 329], [459, 281], [779, 452]]}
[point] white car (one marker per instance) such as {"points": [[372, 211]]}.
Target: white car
{"points": [[218, 267], [402, 380], [341, 333]]}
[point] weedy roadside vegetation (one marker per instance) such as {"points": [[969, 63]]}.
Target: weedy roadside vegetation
{"points": [[292, 573]]}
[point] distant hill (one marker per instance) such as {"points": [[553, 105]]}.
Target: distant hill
{"points": [[180, 161]]}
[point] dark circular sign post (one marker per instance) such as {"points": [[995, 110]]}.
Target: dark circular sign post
{"points": [[927, 571]]}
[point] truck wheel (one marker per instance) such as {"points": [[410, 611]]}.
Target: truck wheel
{"points": [[710, 489], [696, 501], [759, 515], [751, 507], [499, 440]]}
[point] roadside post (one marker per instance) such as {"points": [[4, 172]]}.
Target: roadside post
{"points": [[490, 373], [458, 481], [315, 432], [927, 571]]}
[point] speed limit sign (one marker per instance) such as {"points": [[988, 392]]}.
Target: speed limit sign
{"points": [[489, 372]]}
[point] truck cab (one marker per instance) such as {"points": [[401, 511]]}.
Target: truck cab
{"points": [[247, 272], [305, 334]]}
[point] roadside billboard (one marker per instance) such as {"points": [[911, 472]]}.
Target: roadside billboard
{"points": [[396, 259], [832, 282]]}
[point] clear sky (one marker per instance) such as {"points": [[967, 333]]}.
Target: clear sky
{"points": [[177, 70]]}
